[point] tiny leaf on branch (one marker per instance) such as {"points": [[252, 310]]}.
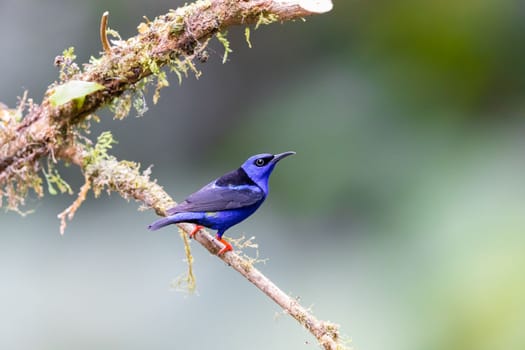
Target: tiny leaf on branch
{"points": [[76, 90]]}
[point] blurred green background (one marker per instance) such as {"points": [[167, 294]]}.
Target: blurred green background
{"points": [[401, 217]]}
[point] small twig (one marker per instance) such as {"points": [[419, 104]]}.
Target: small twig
{"points": [[70, 211], [103, 33]]}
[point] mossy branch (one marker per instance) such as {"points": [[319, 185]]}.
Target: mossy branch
{"points": [[54, 128], [171, 40], [124, 177]]}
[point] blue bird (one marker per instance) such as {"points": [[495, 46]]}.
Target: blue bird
{"points": [[227, 200]]}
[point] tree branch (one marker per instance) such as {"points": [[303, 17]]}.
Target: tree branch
{"points": [[126, 179], [54, 131], [170, 40]]}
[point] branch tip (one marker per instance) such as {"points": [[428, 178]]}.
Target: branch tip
{"points": [[312, 6]]}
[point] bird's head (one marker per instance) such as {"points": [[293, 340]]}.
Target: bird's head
{"points": [[260, 166]]}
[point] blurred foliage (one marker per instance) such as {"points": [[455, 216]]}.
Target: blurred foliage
{"points": [[464, 55]]}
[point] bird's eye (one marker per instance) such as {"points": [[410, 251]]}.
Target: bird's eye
{"points": [[260, 162]]}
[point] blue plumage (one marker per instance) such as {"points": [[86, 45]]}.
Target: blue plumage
{"points": [[227, 200]]}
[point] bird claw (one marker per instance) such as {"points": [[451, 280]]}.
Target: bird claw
{"points": [[196, 229], [227, 246]]}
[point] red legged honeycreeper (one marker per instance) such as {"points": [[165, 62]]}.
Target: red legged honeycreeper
{"points": [[227, 200]]}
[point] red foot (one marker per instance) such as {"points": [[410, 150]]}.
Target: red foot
{"points": [[227, 246], [195, 230]]}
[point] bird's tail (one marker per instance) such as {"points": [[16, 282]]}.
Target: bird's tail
{"points": [[161, 223], [191, 217]]}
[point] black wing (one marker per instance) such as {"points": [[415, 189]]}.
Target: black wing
{"points": [[216, 198]]}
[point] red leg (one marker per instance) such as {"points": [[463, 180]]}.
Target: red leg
{"points": [[227, 246], [195, 230]]}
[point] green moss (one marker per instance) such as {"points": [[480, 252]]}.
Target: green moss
{"points": [[21, 174], [66, 64], [181, 68], [139, 103], [266, 18], [69, 53], [121, 106], [162, 82], [99, 152], [221, 36], [14, 191], [55, 181], [113, 33], [247, 36], [178, 26]]}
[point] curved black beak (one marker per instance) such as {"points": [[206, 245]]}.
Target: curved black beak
{"points": [[280, 156]]}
